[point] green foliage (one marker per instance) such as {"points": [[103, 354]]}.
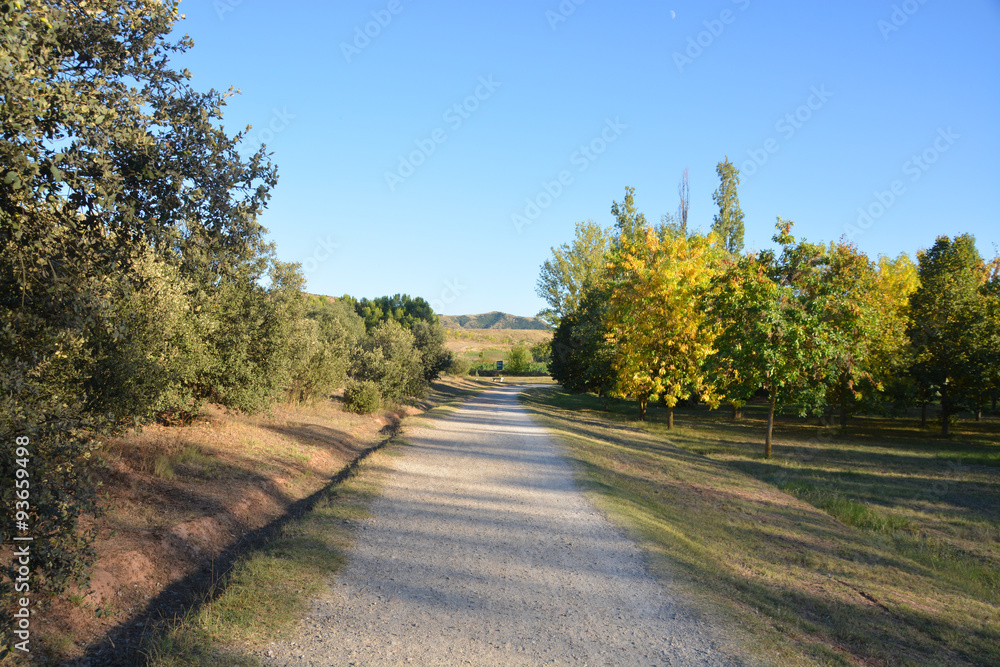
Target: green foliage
{"points": [[773, 334], [428, 338], [581, 355], [459, 366], [321, 343], [728, 223], [571, 270], [362, 396], [518, 360], [949, 310], [129, 249], [541, 352], [629, 223], [389, 358], [401, 308]]}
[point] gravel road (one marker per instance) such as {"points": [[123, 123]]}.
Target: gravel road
{"points": [[483, 551]]}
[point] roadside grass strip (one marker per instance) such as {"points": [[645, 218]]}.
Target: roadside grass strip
{"points": [[878, 546], [268, 590]]}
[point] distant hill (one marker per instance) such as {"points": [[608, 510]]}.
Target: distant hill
{"points": [[494, 320]]}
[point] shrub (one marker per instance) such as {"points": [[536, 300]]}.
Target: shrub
{"points": [[459, 366], [389, 358], [362, 396]]}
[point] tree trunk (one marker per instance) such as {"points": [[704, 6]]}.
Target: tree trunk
{"points": [[670, 417], [979, 405], [643, 402], [736, 409], [923, 415], [770, 425], [843, 413], [945, 410]]}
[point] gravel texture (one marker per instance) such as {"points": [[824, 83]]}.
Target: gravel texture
{"points": [[483, 551]]}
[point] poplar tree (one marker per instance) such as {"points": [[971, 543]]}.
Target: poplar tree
{"points": [[728, 222]]}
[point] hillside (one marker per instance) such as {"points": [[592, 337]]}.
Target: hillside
{"points": [[493, 320]]}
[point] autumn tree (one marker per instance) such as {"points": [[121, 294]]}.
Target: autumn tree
{"points": [[657, 323], [571, 270], [728, 222]]}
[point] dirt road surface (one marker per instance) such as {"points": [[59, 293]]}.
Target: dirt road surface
{"points": [[482, 551]]}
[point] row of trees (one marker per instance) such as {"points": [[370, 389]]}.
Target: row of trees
{"points": [[135, 279], [660, 313]]}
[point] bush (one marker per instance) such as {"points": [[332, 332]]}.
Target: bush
{"points": [[389, 358], [459, 366], [362, 396]]}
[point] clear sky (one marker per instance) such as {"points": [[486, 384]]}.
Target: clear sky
{"points": [[387, 186]]}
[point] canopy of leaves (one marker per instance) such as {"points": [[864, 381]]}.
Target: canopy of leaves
{"points": [[571, 270]]}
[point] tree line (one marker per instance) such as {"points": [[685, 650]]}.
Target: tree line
{"points": [[135, 279], [660, 313]]}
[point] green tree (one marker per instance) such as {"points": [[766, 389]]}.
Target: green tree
{"points": [[772, 336], [400, 308], [581, 354], [728, 222], [541, 352], [518, 360], [428, 339], [571, 270], [629, 223], [389, 358], [948, 313], [121, 199]]}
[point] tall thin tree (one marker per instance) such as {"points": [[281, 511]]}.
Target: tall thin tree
{"points": [[684, 190], [728, 223]]}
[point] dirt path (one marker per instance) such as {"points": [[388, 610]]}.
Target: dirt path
{"points": [[483, 551]]}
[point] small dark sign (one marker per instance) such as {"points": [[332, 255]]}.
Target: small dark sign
{"points": [[499, 365]]}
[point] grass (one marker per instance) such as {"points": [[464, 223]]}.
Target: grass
{"points": [[879, 545]]}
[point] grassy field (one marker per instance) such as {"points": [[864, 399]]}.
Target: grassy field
{"points": [[490, 345], [877, 546]]}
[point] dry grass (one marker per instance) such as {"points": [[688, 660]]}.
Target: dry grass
{"points": [[879, 547]]}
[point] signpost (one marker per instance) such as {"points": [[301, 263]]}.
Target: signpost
{"points": [[499, 365]]}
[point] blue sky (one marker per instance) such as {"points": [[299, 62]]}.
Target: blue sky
{"points": [[404, 156]]}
